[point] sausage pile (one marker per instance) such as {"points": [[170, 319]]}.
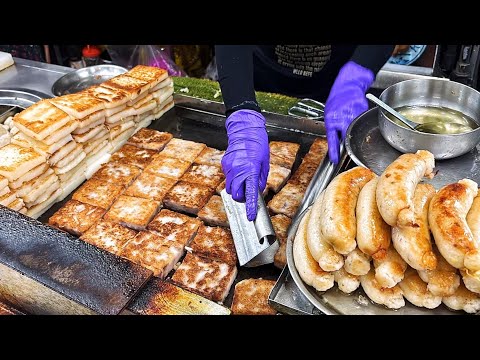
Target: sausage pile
{"points": [[376, 231]]}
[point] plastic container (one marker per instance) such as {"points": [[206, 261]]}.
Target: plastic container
{"points": [[91, 55]]}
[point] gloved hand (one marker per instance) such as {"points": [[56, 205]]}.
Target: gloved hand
{"points": [[345, 102], [247, 160]]}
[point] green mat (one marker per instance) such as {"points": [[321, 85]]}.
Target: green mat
{"points": [[210, 90]]}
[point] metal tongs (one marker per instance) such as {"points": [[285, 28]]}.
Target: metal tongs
{"points": [[309, 108]]}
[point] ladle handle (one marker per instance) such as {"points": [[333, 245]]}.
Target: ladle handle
{"points": [[388, 109]]}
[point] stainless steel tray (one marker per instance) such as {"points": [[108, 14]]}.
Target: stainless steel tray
{"points": [[367, 147], [81, 79]]}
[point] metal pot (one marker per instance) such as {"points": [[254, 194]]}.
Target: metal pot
{"points": [[431, 92]]}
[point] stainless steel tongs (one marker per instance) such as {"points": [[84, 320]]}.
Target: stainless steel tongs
{"points": [[309, 108]]}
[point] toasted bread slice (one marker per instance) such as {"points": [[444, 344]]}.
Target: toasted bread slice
{"points": [[80, 168], [163, 110], [74, 155], [117, 173], [41, 187], [174, 226], [304, 174], [24, 140], [210, 156], [36, 211], [90, 121], [121, 139], [78, 105], [277, 177], [4, 190], [149, 186], [17, 161], [145, 122], [121, 116], [133, 155], [3, 182], [207, 175], [61, 133], [98, 193], [183, 149], [213, 213], [220, 187], [16, 205], [163, 96], [5, 137], [151, 251], [71, 184], [140, 118], [76, 217], [149, 106], [251, 297], [111, 97], [287, 200], [168, 82], [83, 130], [95, 161], [115, 110], [152, 75], [32, 174], [283, 153], [108, 236], [132, 86], [41, 119], [138, 99], [93, 144], [142, 100], [167, 167], [119, 129], [215, 243], [61, 153], [43, 196], [206, 277], [8, 198], [150, 139], [187, 197], [71, 165], [132, 212], [81, 138]]}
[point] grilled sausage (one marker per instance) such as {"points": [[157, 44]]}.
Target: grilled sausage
{"points": [[391, 298], [447, 219], [338, 223], [357, 263], [307, 267], [464, 300], [390, 270], [444, 280], [415, 290], [413, 243], [321, 251], [346, 282], [396, 186]]}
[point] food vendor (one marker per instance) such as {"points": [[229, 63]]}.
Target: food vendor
{"points": [[338, 75]]}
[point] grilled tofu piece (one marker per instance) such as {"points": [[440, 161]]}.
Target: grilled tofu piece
{"points": [[78, 105], [17, 161], [152, 75], [187, 197], [149, 186], [213, 213], [132, 212], [209, 278], [277, 177], [111, 97], [43, 149], [174, 226], [287, 200], [132, 86], [210, 156], [98, 193], [283, 153], [251, 297], [207, 175], [108, 236], [37, 210], [167, 167], [215, 243], [133, 155], [153, 252], [150, 139], [117, 173], [76, 217], [183, 149], [41, 120], [36, 172]]}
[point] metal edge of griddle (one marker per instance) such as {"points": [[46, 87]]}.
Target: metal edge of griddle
{"points": [[72, 269]]}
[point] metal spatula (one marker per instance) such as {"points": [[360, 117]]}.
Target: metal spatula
{"points": [[255, 241]]}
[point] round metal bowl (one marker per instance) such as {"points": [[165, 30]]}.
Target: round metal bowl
{"points": [[83, 78], [430, 92]]}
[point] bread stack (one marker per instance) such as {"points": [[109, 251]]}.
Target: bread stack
{"points": [[32, 186]]}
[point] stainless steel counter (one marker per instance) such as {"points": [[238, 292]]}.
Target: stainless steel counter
{"points": [[32, 75]]}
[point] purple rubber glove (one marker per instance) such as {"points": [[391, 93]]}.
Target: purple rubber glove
{"points": [[247, 159], [345, 102]]}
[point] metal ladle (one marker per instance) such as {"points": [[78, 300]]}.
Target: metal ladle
{"points": [[431, 127]]}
